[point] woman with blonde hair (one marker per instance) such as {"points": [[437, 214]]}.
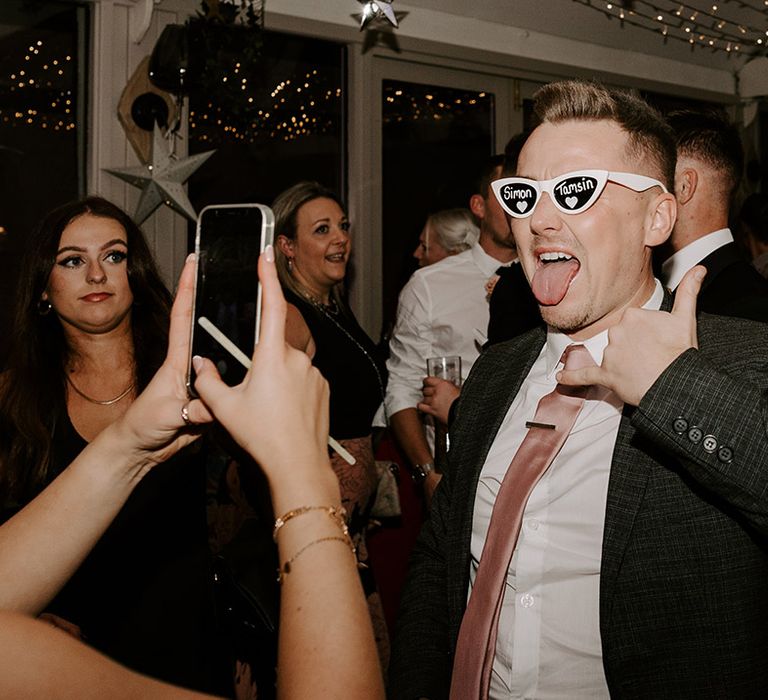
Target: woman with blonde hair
{"points": [[446, 233], [313, 247]]}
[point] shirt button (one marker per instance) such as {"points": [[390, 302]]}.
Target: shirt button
{"points": [[725, 454], [526, 600], [695, 434], [709, 444], [680, 425], [533, 524]]}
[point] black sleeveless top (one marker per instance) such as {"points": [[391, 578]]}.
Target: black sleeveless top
{"points": [[143, 595], [349, 361]]}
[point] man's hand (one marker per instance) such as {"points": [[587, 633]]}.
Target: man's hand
{"points": [[643, 344], [439, 394]]}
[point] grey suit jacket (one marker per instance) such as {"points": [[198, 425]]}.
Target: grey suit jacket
{"points": [[684, 579]]}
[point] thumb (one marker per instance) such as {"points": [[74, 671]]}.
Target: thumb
{"points": [[208, 384], [687, 292], [586, 376], [274, 307]]}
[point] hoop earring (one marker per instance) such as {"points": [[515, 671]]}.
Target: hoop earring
{"points": [[44, 307]]}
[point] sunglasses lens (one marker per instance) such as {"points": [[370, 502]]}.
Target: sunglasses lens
{"points": [[518, 198], [575, 193]]}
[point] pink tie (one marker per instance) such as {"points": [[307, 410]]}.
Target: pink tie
{"points": [[554, 419]]}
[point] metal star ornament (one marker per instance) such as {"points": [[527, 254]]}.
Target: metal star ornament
{"points": [[376, 11], [161, 181]]}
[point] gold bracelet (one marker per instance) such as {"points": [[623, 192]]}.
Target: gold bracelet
{"points": [[337, 514], [285, 569]]}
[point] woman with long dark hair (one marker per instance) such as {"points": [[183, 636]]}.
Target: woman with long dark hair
{"points": [[90, 331], [326, 643]]}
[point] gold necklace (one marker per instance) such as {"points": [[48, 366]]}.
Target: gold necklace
{"points": [[108, 402], [331, 307]]}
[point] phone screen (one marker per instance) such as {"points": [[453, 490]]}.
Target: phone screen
{"points": [[230, 238]]}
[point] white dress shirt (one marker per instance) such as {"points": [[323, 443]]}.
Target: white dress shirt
{"points": [[548, 643], [674, 268], [442, 311]]}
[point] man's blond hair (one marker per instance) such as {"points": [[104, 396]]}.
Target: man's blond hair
{"points": [[650, 138]]}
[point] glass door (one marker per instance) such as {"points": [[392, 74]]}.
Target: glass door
{"points": [[437, 127]]}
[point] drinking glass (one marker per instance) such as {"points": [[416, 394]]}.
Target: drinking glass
{"points": [[446, 368], [449, 368]]}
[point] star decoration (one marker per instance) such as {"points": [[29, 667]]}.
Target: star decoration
{"points": [[161, 181], [376, 11]]}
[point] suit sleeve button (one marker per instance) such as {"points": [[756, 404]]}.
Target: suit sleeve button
{"points": [[680, 425], [695, 434], [709, 444], [725, 454]]}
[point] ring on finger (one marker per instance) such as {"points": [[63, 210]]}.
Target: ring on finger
{"points": [[185, 414]]}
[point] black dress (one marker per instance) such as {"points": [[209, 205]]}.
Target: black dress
{"points": [[349, 361], [346, 357], [143, 595]]}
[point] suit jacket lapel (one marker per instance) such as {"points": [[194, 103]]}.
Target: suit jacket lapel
{"points": [[626, 489], [630, 469]]}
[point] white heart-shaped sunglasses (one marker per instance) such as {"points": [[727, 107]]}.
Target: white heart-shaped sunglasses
{"points": [[572, 193]]}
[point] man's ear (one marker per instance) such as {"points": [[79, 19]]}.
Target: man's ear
{"points": [[477, 206], [686, 182], [285, 245], [662, 213]]}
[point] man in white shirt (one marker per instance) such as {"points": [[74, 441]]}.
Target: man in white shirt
{"points": [[640, 567], [710, 161], [443, 311]]}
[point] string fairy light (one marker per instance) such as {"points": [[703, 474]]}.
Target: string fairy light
{"points": [[300, 106], [704, 25], [40, 82], [406, 102]]}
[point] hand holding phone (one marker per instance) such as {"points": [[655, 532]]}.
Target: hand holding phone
{"points": [[227, 312]]}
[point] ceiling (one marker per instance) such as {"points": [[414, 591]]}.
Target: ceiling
{"points": [[589, 21]]}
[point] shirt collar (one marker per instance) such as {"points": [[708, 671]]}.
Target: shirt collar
{"points": [[674, 268], [557, 342], [487, 263]]}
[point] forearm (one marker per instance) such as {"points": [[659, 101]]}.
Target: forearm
{"points": [[734, 413], [323, 612], [43, 544], [38, 661], [409, 433]]}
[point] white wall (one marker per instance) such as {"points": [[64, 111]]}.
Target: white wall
{"points": [[536, 50], [115, 57]]}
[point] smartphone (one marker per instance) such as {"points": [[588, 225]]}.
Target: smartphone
{"points": [[228, 242]]}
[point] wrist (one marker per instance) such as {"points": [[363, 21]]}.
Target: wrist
{"points": [[422, 471], [117, 446], [108, 468], [293, 487]]}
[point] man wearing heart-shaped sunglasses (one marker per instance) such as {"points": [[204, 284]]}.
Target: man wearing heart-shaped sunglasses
{"points": [[641, 562]]}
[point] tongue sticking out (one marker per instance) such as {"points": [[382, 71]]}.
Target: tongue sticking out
{"points": [[551, 281]]}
